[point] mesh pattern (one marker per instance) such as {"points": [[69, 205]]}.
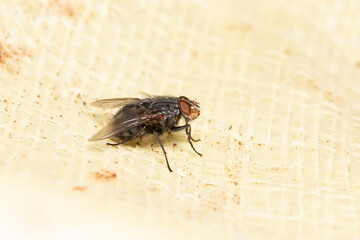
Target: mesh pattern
{"points": [[278, 84]]}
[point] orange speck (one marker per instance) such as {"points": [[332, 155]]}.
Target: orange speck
{"points": [[79, 188], [104, 175], [287, 51]]}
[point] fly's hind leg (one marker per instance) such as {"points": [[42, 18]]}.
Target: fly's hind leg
{"points": [[126, 140], [163, 149], [115, 144]]}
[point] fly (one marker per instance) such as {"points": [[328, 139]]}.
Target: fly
{"points": [[153, 115]]}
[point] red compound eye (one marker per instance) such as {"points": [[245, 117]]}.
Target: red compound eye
{"points": [[185, 107]]}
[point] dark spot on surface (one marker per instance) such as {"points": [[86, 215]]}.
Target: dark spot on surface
{"points": [[230, 127], [61, 116], [259, 144], [174, 144], [240, 143], [217, 142]]}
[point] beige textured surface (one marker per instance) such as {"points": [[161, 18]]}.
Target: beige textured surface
{"points": [[279, 87]]}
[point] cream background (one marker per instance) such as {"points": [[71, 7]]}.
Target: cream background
{"points": [[283, 75]]}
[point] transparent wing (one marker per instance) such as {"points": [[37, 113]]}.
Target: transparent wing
{"points": [[125, 121], [114, 102]]}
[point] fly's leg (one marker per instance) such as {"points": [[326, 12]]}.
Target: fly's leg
{"points": [[187, 128], [189, 133], [163, 149], [115, 144], [126, 140]]}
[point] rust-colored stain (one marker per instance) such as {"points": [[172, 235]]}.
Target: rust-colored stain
{"points": [[194, 54], [79, 188], [66, 8], [73, 10], [287, 51], [242, 27], [104, 175], [10, 52]]}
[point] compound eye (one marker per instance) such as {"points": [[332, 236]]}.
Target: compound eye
{"points": [[185, 107]]}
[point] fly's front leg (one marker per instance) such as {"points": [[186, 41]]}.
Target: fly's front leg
{"points": [[187, 128], [188, 132]]}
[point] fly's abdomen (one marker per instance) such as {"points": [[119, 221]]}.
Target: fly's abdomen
{"points": [[136, 131]]}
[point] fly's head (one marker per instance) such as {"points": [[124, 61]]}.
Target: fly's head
{"points": [[189, 109]]}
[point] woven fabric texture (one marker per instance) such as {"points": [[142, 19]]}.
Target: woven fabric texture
{"points": [[278, 83]]}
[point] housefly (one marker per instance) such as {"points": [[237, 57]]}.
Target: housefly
{"points": [[151, 115]]}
